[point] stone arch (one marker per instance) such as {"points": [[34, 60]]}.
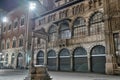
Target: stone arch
{"points": [[14, 42], [92, 14], [80, 60], [53, 33], [94, 20], [79, 26], [64, 30], [98, 59], [21, 40], [64, 60], [8, 43], [20, 60], [40, 58], [51, 60]]}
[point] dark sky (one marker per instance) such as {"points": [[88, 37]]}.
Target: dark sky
{"points": [[8, 5]]}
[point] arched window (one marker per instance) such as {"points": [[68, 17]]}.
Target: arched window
{"points": [[21, 40], [14, 42], [40, 58], [64, 30], [3, 44], [52, 33], [79, 27], [8, 43], [96, 23], [20, 60]]}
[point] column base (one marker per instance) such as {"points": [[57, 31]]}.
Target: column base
{"points": [[110, 64], [39, 73]]}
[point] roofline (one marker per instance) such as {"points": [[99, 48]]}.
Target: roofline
{"points": [[58, 8]]}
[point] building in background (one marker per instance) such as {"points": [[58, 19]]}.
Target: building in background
{"points": [[79, 37], [2, 13], [16, 36]]}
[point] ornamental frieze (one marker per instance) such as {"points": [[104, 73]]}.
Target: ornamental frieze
{"points": [[70, 11]]}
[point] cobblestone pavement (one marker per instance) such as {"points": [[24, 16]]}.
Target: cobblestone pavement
{"points": [[82, 76], [11, 74]]}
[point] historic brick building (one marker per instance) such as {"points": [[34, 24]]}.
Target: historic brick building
{"points": [[77, 35], [16, 36]]}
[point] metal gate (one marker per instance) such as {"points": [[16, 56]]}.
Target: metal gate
{"points": [[51, 61], [80, 60], [40, 58], [64, 60], [98, 59]]}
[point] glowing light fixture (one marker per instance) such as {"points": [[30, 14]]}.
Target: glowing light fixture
{"points": [[5, 19], [32, 5]]}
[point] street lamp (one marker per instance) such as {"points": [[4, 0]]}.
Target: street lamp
{"points": [[5, 19], [31, 7]]}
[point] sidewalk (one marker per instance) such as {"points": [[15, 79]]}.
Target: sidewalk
{"points": [[82, 76]]}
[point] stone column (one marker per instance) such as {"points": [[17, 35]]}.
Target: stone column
{"points": [[89, 62]]}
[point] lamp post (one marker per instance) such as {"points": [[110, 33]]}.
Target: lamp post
{"points": [[32, 6]]}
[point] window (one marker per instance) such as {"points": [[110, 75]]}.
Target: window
{"points": [[96, 24], [9, 27], [52, 33], [40, 58], [8, 45], [65, 32], [117, 46], [38, 40], [4, 29], [14, 44], [79, 27], [22, 21], [20, 42], [2, 46], [15, 24]]}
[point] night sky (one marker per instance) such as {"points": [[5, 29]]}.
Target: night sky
{"points": [[8, 5]]}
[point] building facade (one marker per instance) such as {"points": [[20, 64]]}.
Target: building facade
{"points": [[73, 37], [16, 37]]}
